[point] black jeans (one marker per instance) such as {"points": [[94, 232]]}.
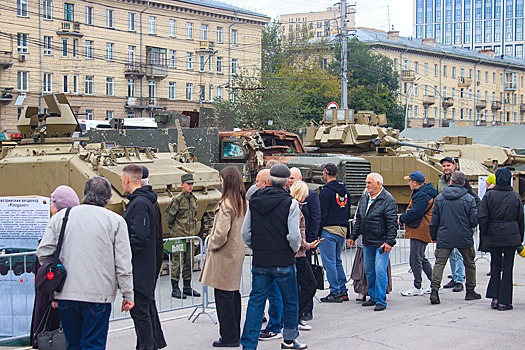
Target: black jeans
{"points": [[418, 262], [306, 283], [229, 313], [500, 287], [143, 318]]}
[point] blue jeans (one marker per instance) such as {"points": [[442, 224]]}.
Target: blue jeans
{"points": [[330, 251], [376, 273], [275, 310], [262, 280], [457, 266], [85, 324]]}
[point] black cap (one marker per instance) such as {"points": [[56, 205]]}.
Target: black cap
{"points": [[280, 171], [447, 159], [145, 172], [330, 168]]}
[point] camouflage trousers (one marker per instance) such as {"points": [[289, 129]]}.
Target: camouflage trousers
{"points": [[186, 259]]}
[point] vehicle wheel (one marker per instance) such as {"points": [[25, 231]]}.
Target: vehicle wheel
{"points": [[4, 270], [18, 269]]}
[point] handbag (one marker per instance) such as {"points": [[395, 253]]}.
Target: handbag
{"points": [[318, 272], [52, 274], [51, 339]]}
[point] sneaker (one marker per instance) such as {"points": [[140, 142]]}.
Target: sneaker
{"points": [[380, 307], [503, 307], [412, 292], [267, 335], [450, 284], [330, 298], [368, 303], [434, 297], [307, 316], [458, 287], [427, 291], [293, 345], [303, 326], [472, 295], [344, 296]]}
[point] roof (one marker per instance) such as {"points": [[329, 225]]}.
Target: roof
{"points": [[223, 6], [504, 136], [372, 36]]}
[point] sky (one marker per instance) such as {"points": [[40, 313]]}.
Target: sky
{"points": [[370, 13]]}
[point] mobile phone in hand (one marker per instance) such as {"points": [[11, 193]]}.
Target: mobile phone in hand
{"points": [[381, 250]]}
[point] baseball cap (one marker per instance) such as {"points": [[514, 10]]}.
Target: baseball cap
{"points": [[280, 171], [187, 178], [330, 168], [145, 172], [416, 176], [447, 159]]}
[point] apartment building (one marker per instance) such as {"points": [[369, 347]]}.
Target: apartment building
{"points": [[323, 23], [122, 58], [444, 85], [475, 24]]}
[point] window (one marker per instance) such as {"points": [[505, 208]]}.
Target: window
{"points": [[204, 32], [65, 83], [486, 77], [131, 87], [152, 24], [219, 64], [234, 66], [75, 47], [202, 93], [406, 65], [435, 70], [110, 19], [219, 34], [89, 48], [109, 51], [234, 37], [453, 93], [189, 91], [189, 30], [152, 91], [201, 63], [210, 64], [173, 58], [172, 27], [453, 72], [21, 8], [69, 12], [444, 71], [89, 114], [189, 60], [171, 90], [47, 84], [89, 85], [22, 42], [47, 9], [75, 84], [416, 67], [65, 44], [219, 92], [132, 17], [48, 44], [210, 93], [110, 84], [109, 115], [395, 64], [425, 69], [23, 80], [89, 15]]}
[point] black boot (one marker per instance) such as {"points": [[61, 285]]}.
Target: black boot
{"points": [[472, 295], [175, 291], [189, 291], [434, 297]]}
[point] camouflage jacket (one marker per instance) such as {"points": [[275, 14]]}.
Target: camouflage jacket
{"points": [[181, 215]]}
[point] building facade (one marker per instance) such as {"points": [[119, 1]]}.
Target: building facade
{"points": [[122, 58], [476, 24], [445, 85]]}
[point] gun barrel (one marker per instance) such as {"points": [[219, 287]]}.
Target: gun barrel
{"points": [[402, 143]]}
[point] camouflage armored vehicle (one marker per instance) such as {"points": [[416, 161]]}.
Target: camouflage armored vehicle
{"points": [[48, 157]]}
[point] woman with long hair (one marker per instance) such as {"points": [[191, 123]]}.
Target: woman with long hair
{"points": [[225, 255]]}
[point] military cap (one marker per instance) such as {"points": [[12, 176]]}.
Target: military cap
{"points": [[187, 178]]}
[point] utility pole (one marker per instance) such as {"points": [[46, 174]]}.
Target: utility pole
{"points": [[344, 57]]}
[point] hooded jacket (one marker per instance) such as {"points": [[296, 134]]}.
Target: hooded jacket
{"points": [[419, 209], [140, 216], [332, 212], [500, 214], [444, 182], [453, 218], [271, 227]]}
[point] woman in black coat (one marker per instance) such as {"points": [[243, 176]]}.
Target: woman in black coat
{"points": [[500, 217]]}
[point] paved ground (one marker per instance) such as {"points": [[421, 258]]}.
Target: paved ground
{"points": [[408, 322]]}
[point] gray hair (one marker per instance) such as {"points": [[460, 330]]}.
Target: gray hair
{"points": [[278, 181], [377, 178], [458, 178], [97, 191]]}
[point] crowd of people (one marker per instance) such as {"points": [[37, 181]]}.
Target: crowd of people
{"points": [[285, 225]]}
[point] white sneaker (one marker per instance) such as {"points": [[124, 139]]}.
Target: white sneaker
{"points": [[303, 326], [412, 292], [427, 290]]}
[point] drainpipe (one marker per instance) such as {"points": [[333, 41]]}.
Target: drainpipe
{"points": [[476, 92], [140, 60], [229, 55], [440, 89], [41, 58]]}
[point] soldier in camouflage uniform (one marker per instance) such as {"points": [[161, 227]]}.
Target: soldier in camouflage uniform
{"points": [[181, 218]]}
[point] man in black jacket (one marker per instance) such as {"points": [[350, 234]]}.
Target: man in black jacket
{"points": [[453, 221], [376, 220], [142, 228], [335, 207]]}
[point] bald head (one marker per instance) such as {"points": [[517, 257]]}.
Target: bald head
{"points": [[295, 175], [263, 178]]}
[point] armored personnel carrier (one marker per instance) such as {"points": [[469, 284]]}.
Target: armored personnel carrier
{"points": [[48, 156]]}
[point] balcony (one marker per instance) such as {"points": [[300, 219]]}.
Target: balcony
{"points": [[408, 75], [205, 45], [464, 82], [510, 86], [6, 59], [70, 28], [481, 104], [134, 70], [151, 71], [149, 103], [448, 102], [496, 105], [6, 98], [522, 107], [428, 101], [429, 122]]}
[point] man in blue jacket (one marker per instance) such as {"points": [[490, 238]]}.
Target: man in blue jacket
{"points": [[335, 208]]}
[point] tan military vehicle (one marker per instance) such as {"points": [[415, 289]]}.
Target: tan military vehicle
{"points": [[48, 157]]}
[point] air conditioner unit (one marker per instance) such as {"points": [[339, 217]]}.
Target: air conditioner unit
{"points": [[478, 83], [22, 58]]}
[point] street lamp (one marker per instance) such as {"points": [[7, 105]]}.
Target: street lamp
{"points": [[210, 53], [412, 86]]}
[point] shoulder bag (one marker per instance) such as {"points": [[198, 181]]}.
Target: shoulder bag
{"points": [[50, 339], [318, 272]]}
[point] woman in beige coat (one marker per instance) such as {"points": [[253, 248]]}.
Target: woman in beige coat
{"points": [[225, 256]]}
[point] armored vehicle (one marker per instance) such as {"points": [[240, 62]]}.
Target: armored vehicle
{"points": [[48, 157]]}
